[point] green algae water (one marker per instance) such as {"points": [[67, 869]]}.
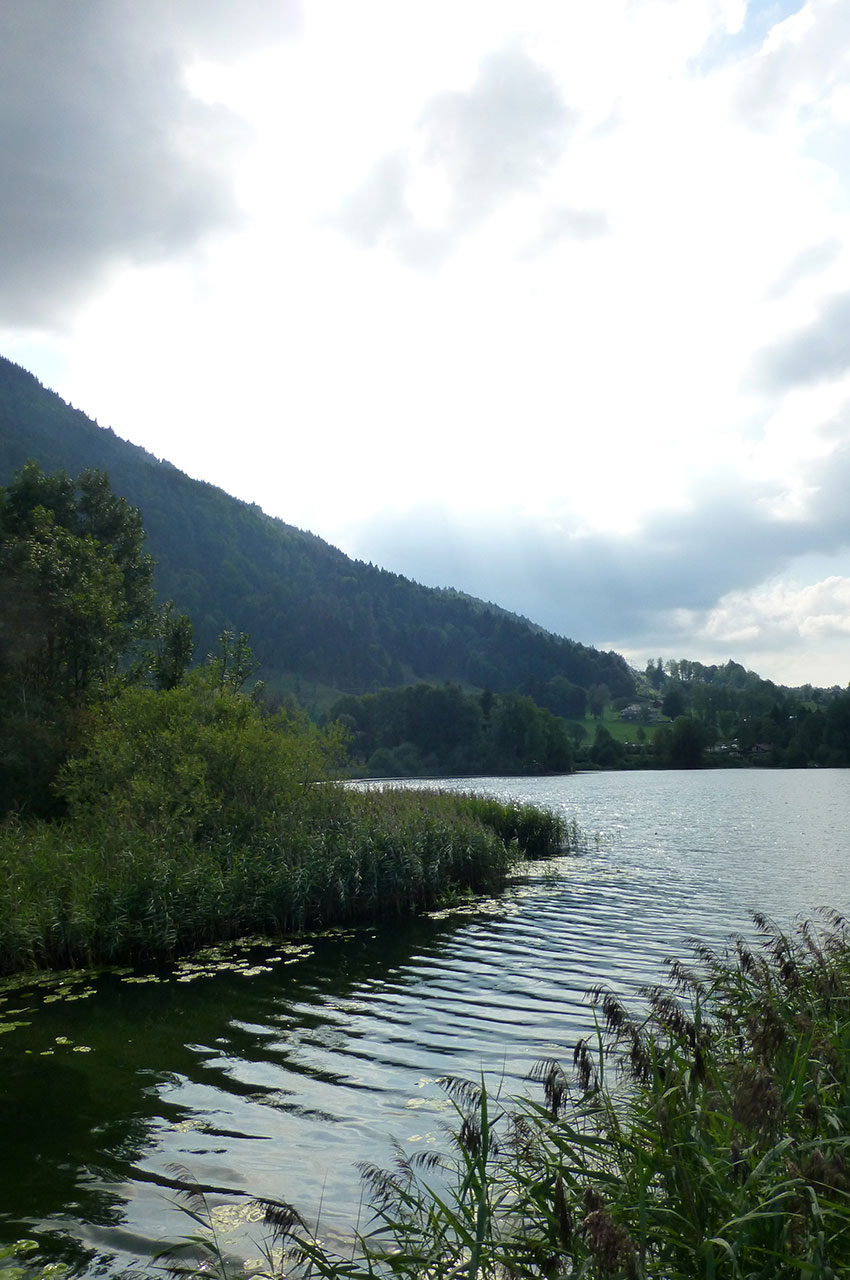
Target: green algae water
{"points": [[269, 1070]]}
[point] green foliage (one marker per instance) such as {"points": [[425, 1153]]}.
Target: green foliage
{"points": [[428, 729], [194, 819], [606, 752], [529, 739], [819, 737], [757, 720], [77, 593], [558, 695], [538, 832], [192, 762], [655, 674], [598, 697], [77, 586], [172, 647], [674, 703], [34, 743], [686, 743], [233, 663]]}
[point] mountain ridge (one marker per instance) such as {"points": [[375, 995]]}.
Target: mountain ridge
{"points": [[312, 611]]}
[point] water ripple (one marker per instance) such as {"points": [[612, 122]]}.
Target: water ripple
{"points": [[276, 1084]]}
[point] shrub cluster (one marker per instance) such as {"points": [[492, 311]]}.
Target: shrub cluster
{"points": [[193, 817]]}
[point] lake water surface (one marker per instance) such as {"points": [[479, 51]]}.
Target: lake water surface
{"points": [[274, 1072]]}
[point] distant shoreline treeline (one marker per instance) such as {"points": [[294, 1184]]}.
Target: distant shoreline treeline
{"points": [[426, 729]]}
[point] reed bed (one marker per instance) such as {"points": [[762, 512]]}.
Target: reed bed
{"points": [[539, 833], [721, 1147], [79, 893]]}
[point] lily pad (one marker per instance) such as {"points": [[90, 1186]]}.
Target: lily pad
{"points": [[17, 1249]]}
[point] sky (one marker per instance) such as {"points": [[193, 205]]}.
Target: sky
{"points": [[545, 301]]}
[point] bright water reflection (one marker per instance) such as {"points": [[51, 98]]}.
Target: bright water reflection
{"points": [[272, 1077]]}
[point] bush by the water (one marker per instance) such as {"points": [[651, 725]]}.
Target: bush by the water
{"points": [[194, 818], [721, 1149]]}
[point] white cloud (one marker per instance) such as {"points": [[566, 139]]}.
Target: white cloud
{"points": [[107, 158], [803, 61], [549, 297], [798, 631]]}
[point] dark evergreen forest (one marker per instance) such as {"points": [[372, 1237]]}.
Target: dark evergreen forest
{"points": [[311, 611]]}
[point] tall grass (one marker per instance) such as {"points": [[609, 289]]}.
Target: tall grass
{"points": [[539, 833], [721, 1150], [83, 893]]}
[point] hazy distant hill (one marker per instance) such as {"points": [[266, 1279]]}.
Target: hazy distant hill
{"points": [[309, 609]]}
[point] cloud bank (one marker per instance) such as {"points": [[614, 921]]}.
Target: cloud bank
{"points": [[714, 577], [549, 303], [107, 158]]}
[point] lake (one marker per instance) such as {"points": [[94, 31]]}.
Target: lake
{"points": [[271, 1070]]}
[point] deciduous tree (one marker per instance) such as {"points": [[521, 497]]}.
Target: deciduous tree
{"points": [[77, 595]]}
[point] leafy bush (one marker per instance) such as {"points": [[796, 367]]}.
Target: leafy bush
{"points": [[196, 762]]}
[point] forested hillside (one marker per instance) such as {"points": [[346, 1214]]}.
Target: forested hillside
{"points": [[737, 716], [310, 610]]}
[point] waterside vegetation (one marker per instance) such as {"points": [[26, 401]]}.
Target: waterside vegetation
{"points": [[704, 1135], [194, 818], [147, 809]]}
